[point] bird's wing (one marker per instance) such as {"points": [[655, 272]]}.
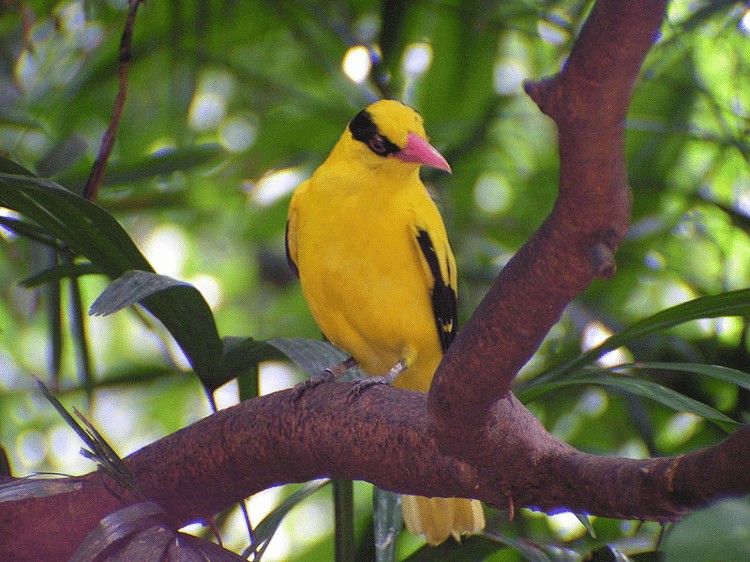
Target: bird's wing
{"points": [[291, 230], [443, 294]]}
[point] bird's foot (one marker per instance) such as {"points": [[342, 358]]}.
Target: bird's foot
{"points": [[328, 375], [388, 379]]}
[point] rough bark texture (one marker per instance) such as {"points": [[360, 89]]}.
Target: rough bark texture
{"points": [[385, 437], [470, 436]]}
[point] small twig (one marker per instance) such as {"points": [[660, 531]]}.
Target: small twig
{"points": [[94, 183]]}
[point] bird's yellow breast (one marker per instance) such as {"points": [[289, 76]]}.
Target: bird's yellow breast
{"points": [[361, 271]]}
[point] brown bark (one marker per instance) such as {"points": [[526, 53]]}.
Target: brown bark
{"points": [[470, 436], [385, 436]]}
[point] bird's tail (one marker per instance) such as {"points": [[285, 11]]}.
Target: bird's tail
{"points": [[439, 518]]}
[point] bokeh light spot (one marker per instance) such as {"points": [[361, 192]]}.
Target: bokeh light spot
{"points": [[274, 185], [493, 194], [356, 64], [417, 59]]}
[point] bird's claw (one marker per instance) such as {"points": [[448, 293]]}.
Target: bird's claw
{"points": [[388, 379], [328, 375], [299, 389], [363, 384]]}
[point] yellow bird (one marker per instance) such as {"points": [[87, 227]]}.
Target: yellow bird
{"points": [[371, 252]]}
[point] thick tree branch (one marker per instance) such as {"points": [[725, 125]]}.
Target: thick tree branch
{"points": [[588, 101], [385, 437]]}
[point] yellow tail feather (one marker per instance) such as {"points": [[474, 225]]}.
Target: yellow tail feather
{"points": [[439, 518]]}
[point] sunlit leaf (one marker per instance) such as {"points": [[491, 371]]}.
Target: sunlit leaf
{"points": [[180, 307], [132, 287]]}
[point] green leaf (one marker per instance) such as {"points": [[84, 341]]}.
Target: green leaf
{"points": [[159, 164], [704, 13], [132, 287], [92, 232], [247, 384], [267, 527], [60, 272], [312, 356], [639, 387], [388, 520], [608, 554], [477, 548], [343, 509], [65, 415], [717, 533], [53, 304], [586, 522], [30, 231], [733, 303], [241, 358], [79, 334], [187, 316], [4, 464], [88, 229], [99, 450], [10, 167], [180, 307], [726, 374]]}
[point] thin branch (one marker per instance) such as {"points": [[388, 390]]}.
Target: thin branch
{"points": [[96, 178]]}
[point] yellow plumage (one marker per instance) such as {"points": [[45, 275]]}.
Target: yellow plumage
{"points": [[377, 271]]}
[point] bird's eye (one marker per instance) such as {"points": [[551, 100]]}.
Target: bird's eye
{"points": [[377, 144]]}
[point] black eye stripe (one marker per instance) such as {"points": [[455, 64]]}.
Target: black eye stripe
{"points": [[364, 130]]}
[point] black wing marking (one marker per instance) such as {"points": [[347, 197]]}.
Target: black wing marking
{"points": [[443, 295], [289, 260]]}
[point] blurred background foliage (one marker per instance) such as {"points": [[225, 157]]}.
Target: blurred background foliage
{"points": [[231, 104]]}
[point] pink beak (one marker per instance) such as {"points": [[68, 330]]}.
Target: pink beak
{"points": [[420, 151]]}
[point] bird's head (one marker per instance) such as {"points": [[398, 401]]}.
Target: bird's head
{"points": [[388, 133]]}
